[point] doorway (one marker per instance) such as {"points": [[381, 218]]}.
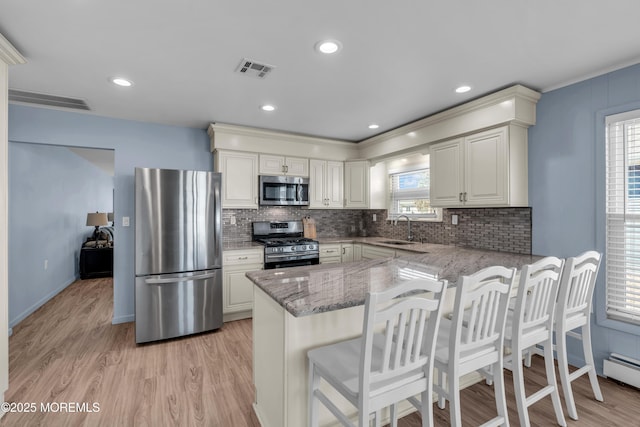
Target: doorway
{"points": [[52, 188]]}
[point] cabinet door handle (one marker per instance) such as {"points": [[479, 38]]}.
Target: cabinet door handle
{"points": [[465, 196], [460, 196], [286, 167], [343, 251], [243, 257]]}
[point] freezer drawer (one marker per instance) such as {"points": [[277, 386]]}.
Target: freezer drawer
{"points": [[172, 305]]}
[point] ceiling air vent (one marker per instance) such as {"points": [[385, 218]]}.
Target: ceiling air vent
{"points": [[47, 100], [252, 68]]}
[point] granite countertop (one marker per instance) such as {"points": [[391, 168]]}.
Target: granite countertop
{"points": [[316, 289], [380, 241], [244, 244]]}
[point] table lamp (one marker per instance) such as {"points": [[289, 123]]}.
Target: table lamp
{"points": [[96, 220]]}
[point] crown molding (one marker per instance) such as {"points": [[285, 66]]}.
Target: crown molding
{"points": [[10, 54]]}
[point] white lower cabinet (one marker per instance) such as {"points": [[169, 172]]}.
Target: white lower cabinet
{"points": [[375, 252], [357, 252], [336, 253], [346, 252], [237, 289], [330, 253]]}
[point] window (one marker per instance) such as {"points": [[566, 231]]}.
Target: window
{"points": [[623, 216], [409, 191]]}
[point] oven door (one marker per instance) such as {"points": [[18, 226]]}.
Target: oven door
{"points": [[272, 262]]}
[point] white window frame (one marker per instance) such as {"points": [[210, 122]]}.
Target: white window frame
{"points": [[622, 219], [392, 214]]}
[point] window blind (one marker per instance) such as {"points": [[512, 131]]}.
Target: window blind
{"points": [[410, 194], [623, 216]]}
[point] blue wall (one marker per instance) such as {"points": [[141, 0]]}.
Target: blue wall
{"points": [[567, 186], [135, 144], [51, 189]]}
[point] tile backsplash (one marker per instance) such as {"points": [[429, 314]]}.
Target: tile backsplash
{"points": [[503, 229]]}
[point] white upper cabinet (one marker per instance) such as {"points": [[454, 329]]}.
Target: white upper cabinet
{"points": [[239, 178], [326, 182], [356, 184], [317, 178], [483, 169], [487, 168], [447, 176], [280, 165], [334, 189]]}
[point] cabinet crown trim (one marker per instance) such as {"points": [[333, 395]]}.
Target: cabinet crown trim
{"points": [[241, 138], [515, 105]]}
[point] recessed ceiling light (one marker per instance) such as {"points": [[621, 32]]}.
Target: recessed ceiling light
{"points": [[121, 82], [373, 126], [328, 46], [267, 107], [463, 89]]}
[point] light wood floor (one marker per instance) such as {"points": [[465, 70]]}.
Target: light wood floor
{"points": [[68, 351]]}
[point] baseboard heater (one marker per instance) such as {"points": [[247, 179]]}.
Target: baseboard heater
{"points": [[622, 368]]}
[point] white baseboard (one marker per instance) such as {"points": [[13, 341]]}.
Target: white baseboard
{"points": [[238, 315], [123, 319], [39, 303], [623, 369]]}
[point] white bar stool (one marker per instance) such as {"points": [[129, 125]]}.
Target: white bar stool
{"points": [[573, 310], [531, 323], [377, 370], [473, 339]]}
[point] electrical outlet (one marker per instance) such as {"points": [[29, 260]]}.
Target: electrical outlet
{"points": [[454, 219], [125, 221], [232, 220], [353, 228], [46, 264], [375, 217]]}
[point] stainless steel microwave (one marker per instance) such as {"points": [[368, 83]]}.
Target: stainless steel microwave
{"points": [[284, 191]]}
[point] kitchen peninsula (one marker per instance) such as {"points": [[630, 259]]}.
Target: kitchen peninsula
{"points": [[296, 309]]}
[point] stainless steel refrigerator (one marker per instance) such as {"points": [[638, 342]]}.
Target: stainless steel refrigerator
{"points": [[178, 247]]}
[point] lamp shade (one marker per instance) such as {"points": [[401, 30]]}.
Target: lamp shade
{"points": [[96, 219]]}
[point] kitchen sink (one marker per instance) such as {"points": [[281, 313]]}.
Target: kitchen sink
{"points": [[397, 242]]}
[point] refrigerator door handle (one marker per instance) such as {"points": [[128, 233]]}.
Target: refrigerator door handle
{"points": [[156, 281]]}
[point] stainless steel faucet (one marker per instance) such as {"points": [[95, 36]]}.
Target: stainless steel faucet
{"points": [[409, 236]]}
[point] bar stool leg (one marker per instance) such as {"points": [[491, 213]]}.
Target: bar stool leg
{"points": [[588, 357], [518, 384], [499, 391], [551, 380]]}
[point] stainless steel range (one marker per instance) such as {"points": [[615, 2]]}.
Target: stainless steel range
{"points": [[284, 244]]}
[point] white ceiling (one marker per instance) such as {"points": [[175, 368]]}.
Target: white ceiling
{"points": [[401, 60]]}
